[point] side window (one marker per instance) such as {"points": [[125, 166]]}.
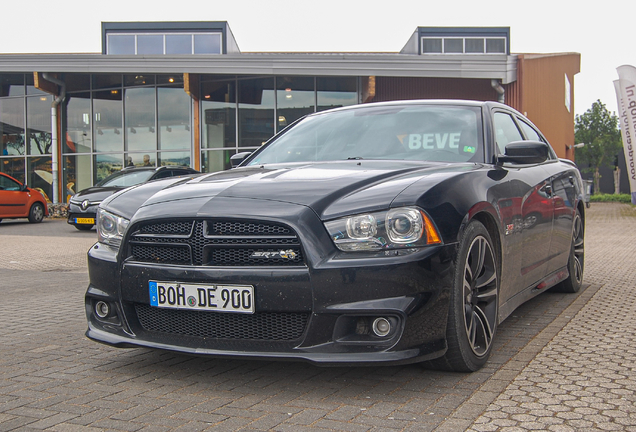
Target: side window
{"points": [[506, 131], [180, 172], [531, 134], [164, 174], [8, 184]]}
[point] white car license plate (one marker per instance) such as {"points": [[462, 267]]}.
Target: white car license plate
{"points": [[220, 298]]}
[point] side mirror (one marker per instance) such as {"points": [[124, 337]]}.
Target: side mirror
{"points": [[238, 158], [525, 152], [24, 188]]}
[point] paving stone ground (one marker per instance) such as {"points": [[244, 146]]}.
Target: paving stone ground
{"points": [[561, 362]]}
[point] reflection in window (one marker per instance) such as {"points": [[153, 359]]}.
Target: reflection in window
{"points": [[506, 131], [14, 167], [77, 175], [39, 125], [107, 108], [140, 119], [78, 124], [336, 92], [218, 109], [295, 98], [216, 160], [12, 126], [174, 158], [256, 111], [106, 165], [11, 85], [40, 177], [174, 118]]}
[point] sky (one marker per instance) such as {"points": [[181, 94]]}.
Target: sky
{"points": [[600, 32]]}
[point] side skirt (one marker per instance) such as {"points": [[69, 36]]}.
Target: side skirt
{"points": [[517, 300]]}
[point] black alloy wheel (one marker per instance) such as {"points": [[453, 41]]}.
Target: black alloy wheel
{"points": [[36, 214], [473, 315], [577, 257]]}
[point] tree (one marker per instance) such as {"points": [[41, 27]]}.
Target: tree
{"points": [[598, 129]]}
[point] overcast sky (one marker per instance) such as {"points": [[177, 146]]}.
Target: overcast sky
{"points": [[542, 26]]}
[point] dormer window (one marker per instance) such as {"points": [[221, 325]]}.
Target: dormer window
{"points": [[164, 43], [463, 45]]}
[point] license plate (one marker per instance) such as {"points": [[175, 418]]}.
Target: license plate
{"points": [[85, 221], [219, 298]]}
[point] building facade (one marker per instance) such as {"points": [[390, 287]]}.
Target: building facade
{"points": [[184, 94]]}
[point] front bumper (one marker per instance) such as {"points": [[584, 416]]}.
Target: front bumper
{"points": [[337, 300], [77, 216]]}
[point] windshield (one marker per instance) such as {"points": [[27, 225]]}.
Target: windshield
{"points": [[413, 132], [126, 178]]}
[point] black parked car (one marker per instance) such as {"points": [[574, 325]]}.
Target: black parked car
{"points": [[394, 232], [83, 205]]}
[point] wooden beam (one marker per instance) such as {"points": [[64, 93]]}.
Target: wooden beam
{"points": [[44, 85], [192, 87]]}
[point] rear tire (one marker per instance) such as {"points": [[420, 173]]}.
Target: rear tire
{"points": [[473, 314], [577, 258], [36, 214]]}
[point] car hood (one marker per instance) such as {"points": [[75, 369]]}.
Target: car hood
{"points": [[95, 194], [331, 189]]}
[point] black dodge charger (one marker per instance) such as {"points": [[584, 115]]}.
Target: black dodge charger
{"points": [[381, 233]]}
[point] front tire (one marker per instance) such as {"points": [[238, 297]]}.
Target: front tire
{"points": [[473, 314], [36, 214]]}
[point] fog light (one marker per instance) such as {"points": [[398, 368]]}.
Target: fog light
{"points": [[102, 309], [381, 327]]}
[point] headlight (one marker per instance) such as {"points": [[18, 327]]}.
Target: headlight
{"points": [[110, 227], [404, 227]]}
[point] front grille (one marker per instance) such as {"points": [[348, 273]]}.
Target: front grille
{"points": [[227, 243], [268, 326]]}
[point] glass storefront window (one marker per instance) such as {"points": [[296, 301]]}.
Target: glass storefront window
{"points": [[11, 85], [12, 126], [179, 44], [77, 175], [104, 81], [174, 158], [39, 124], [77, 82], [140, 159], [40, 177], [218, 114], [256, 111], [105, 165], [295, 97], [216, 160], [14, 166], [138, 80], [78, 124], [174, 118], [335, 92], [171, 79], [140, 119], [107, 111]]}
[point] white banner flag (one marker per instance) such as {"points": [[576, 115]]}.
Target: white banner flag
{"points": [[625, 88]]}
